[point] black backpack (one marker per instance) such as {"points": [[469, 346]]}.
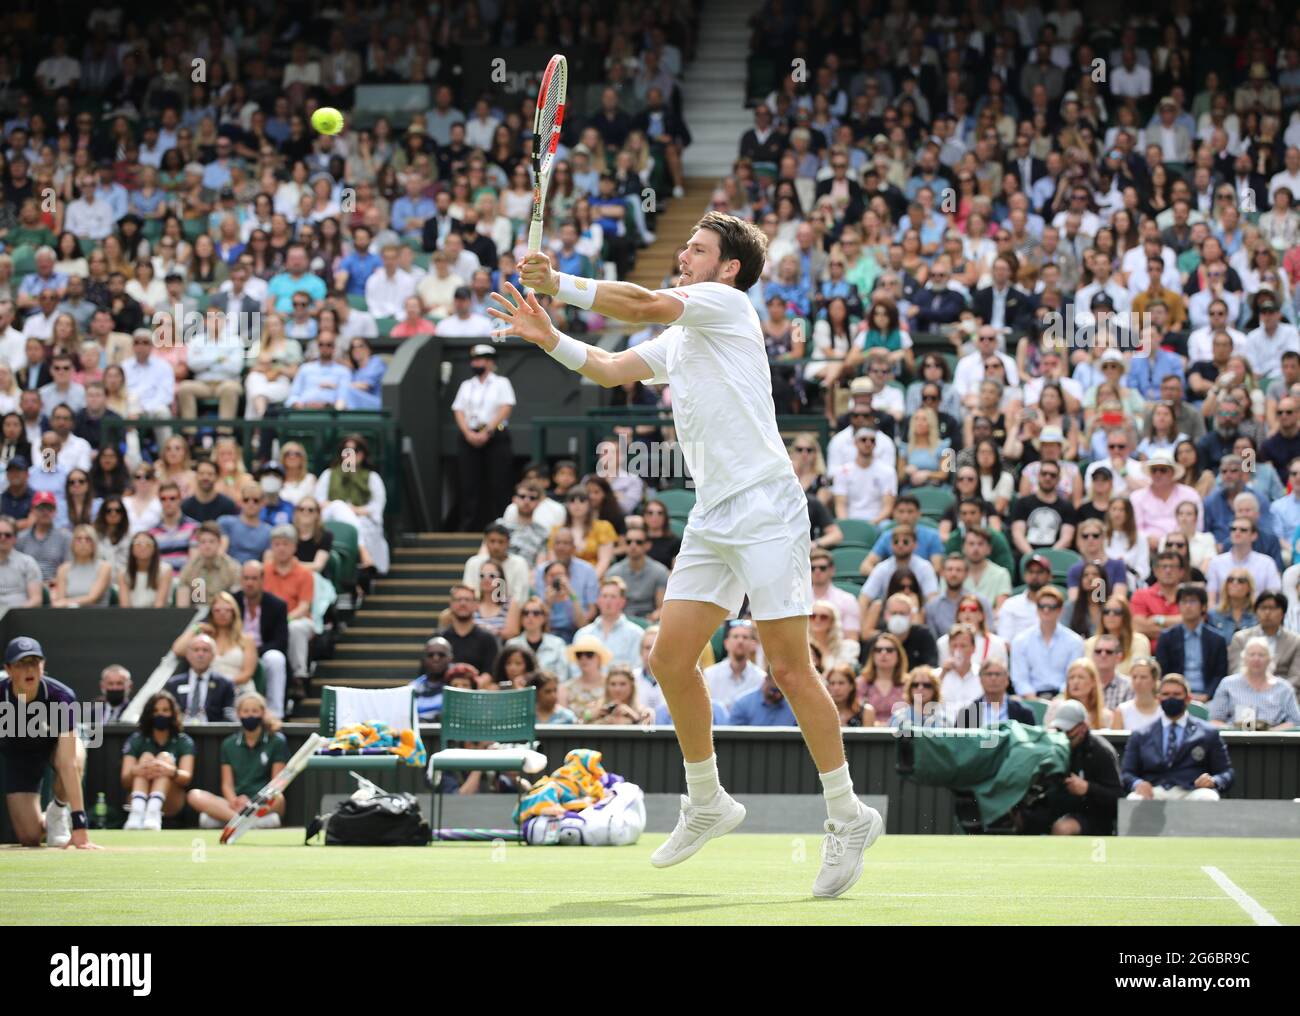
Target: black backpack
{"points": [[386, 820]]}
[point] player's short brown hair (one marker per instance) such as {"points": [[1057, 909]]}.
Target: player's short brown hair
{"points": [[738, 240]]}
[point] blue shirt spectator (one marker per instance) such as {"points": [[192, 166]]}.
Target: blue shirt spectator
{"points": [[406, 208], [585, 585], [1039, 663], [755, 709], [1145, 373], [34, 284], [284, 285], [247, 543], [371, 374], [359, 268], [319, 383], [664, 719], [928, 543]]}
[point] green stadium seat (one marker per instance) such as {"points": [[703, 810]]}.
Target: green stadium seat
{"points": [[347, 547], [851, 586], [24, 257], [385, 325], [1062, 562], [356, 301], [679, 502], [1198, 710], [848, 558], [859, 531], [934, 501]]}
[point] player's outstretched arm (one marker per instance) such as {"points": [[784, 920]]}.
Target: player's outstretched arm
{"points": [[527, 319], [624, 301]]}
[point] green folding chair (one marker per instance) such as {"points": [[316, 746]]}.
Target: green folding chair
{"points": [[505, 717], [394, 706]]}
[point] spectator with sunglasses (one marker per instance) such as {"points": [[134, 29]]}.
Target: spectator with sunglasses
{"points": [[841, 448], [934, 371], [427, 688], [1090, 542], [527, 536], [1041, 654], [644, 578], [1242, 533]]}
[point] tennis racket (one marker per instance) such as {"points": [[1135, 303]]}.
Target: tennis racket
{"points": [[260, 805], [547, 120]]}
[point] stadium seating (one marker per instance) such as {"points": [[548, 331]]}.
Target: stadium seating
{"points": [[859, 531]]}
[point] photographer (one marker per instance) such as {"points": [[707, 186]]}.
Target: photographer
{"points": [[1085, 803], [568, 612]]}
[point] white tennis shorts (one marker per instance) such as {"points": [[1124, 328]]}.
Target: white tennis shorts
{"points": [[755, 542]]}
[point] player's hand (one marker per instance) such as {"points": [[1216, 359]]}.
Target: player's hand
{"points": [[81, 841], [525, 318], [537, 272]]}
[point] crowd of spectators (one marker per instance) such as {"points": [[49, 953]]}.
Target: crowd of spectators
{"points": [[1039, 274]]}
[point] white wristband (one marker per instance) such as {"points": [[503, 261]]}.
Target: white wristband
{"points": [[569, 351], [577, 291]]}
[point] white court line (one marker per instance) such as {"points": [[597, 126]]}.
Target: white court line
{"points": [[555, 892], [1243, 899]]}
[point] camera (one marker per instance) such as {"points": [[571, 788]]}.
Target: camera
{"points": [[557, 585]]}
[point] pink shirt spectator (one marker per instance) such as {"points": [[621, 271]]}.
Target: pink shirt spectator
{"points": [[847, 605], [1155, 517], [405, 330]]}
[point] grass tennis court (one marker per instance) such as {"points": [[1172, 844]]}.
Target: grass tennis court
{"points": [[270, 878]]}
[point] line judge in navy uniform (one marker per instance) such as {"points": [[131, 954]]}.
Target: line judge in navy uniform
{"points": [[484, 455], [27, 753], [1179, 758]]}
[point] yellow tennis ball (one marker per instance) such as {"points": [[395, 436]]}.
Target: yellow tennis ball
{"points": [[327, 120]]}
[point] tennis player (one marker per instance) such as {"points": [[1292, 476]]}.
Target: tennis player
{"points": [[748, 532]]}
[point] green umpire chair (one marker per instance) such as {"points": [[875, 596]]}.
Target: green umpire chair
{"points": [[507, 718]]}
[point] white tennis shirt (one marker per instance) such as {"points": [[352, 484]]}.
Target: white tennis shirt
{"points": [[714, 358]]}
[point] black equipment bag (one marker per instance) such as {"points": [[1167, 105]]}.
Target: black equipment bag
{"points": [[385, 820]]}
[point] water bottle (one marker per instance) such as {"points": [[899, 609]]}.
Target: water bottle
{"points": [[101, 812]]}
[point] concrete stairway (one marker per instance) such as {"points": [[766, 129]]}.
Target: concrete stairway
{"points": [[385, 638], [713, 88]]}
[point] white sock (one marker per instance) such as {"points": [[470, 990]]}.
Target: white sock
{"points": [[702, 784], [137, 803], [155, 804], [837, 787]]}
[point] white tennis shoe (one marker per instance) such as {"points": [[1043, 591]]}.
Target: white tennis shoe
{"points": [[842, 850], [58, 825], [696, 825]]}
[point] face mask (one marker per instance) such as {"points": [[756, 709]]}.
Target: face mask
{"points": [[162, 723], [480, 371], [1173, 707], [115, 697], [251, 722], [898, 624], [271, 484]]}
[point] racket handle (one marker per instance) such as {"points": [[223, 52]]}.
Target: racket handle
{"points": [[535, 237]]}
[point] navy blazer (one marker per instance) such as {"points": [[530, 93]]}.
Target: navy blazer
{"points": [[1201, 751], [220, 705], [1214, 655]]}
